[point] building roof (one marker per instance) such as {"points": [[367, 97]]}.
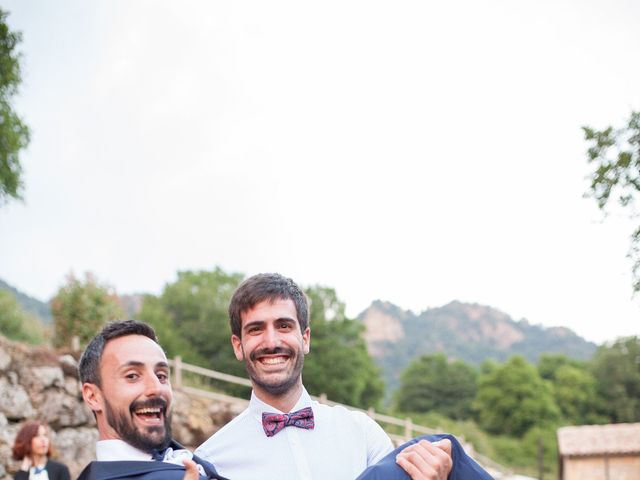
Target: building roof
{"points": [[617, 438]]}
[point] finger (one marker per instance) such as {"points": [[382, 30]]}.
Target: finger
{"points": [[444, 444], [433, 455], [415, 466], [191, 468]]}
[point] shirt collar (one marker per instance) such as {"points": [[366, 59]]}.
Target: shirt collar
{"points": [[257, 406], [117, 450]]}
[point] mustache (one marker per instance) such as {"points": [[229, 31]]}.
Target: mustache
{"points": [[271, 351], [155, 402]]}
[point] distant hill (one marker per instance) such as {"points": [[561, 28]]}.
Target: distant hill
{"points": [[469, 332], [32, 305]]}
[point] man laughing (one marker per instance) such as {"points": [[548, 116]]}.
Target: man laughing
{"points": [[125, 382]]}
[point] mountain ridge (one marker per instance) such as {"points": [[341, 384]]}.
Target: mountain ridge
{"points": [[467, 331]]}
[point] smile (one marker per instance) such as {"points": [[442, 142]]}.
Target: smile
{"points": [[273, 360], [149, 415]]}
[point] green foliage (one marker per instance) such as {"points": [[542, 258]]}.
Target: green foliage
{"points": [[574, 388], [432, 383], [41, 310], [513, 398], [616, 156], [16, 324], [521, 454], [616, 368], [14, 135], [549, 363], [337, 343], [81, 308], [191, 319]]}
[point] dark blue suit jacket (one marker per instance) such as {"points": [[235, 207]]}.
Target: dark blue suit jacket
{"points": [[464, 467], [144, 470]]}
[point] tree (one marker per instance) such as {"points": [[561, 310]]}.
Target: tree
{"points": [[81, 308], [617, 370], [339, 364], [191, 319], [14, 135], [616, 155], [432, 383], [17, 324], [513, 398], [574, 388]]}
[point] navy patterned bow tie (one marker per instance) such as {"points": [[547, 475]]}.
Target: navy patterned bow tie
{"points": [[274, 422]]}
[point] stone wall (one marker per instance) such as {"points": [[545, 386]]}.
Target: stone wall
{"points": [[41, 383]]}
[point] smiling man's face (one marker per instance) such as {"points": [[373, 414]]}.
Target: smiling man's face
{"points": [[272, 347], [134, 400]]}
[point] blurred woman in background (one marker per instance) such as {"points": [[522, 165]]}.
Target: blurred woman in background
{"points": [[33, 447]]}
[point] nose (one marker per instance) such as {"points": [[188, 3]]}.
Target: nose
{"points": [[271, 338], [152, 386]]}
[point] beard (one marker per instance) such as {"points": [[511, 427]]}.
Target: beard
{"points": [[280, 387], [150, 438]]}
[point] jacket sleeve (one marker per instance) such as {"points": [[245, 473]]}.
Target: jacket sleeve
{"points": [[464, 467]]}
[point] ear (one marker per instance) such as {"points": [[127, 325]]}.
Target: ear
{"points": [[306, 340], [92, 396], [237, 347]]}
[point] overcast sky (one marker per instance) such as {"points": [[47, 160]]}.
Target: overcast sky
{"points": [[415, 152]]}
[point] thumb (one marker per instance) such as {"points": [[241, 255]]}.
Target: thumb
{"points": [[191, 468]]}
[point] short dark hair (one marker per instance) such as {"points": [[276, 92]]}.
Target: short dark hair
{"points": [[89, 367], [22, 445], [266, 287]]}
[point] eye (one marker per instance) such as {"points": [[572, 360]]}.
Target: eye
{"points": [[163, 377], [132, 376]]}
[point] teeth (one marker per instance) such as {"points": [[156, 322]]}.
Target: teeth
{"points": [[273, 360], [148, 410]]}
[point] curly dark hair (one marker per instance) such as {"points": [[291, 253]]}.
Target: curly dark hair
{"points": [[22, 444]]}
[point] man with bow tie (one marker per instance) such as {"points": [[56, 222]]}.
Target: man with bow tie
{"points": [[283, 434], [125, 382]]}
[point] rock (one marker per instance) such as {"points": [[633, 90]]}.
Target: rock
{"points": [[7, 437], [72, 387], [14, 401], [5, 359], [60, 410], [191, 424], [48, 376], [69, 365], [76, 447]]}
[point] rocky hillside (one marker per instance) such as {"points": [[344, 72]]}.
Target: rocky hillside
{"points": [[469, 332], [40, 383]]}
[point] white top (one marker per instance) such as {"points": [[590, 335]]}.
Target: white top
{"points": [[118, 450], [342, 444]]}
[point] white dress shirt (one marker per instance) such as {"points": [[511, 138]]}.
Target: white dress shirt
{"points": [[119, 450], [341, 445]]}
